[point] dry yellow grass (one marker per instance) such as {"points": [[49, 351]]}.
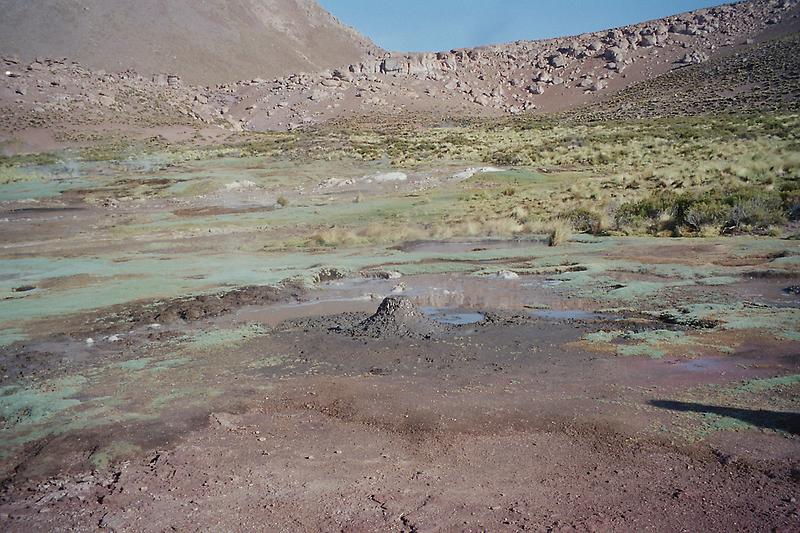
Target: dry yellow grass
{"points": [[560, 232], [334, 237]]}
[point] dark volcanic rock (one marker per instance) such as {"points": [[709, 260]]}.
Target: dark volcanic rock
{"points": [[793, 289]]}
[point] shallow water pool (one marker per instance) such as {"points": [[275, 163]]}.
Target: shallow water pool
{"points": [[453, 317]]}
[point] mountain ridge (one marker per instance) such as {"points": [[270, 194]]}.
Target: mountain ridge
{"points": [[204, 43], [66, 102]]}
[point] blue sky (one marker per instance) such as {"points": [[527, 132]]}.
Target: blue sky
{"points": [[431, 25]]}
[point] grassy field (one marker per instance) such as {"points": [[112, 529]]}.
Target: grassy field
{"points": [[670, 176], [695, 176]]}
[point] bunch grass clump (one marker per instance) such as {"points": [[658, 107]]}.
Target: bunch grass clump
{"points": [[560, 232]]}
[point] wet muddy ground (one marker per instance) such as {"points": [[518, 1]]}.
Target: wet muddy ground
{"points": [[184, 371], [501, 417]]}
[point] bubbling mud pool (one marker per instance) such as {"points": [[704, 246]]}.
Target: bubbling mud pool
{"points": [[452, 299], [453, 317], [568, 314]]}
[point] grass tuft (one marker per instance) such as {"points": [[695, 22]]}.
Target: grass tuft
{"points": [[560, 232]]}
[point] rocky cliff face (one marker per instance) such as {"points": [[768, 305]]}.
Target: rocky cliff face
{"points": [[205, 42], [525, 76]]}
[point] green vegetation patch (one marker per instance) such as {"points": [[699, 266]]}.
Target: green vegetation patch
{"points": [[23, 405], [782, 322], [763, 404], [656, 344], [212, 340]]}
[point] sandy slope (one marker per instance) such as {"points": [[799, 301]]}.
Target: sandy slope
{"points": [[203, 42]]}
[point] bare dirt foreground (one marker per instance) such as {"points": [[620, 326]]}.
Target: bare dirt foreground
{"points": [[400, 422]]}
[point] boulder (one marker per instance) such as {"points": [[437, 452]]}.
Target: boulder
{"points": [[648, 40], [393, 65], [344, 75], [678, 27], [615, 54], [614, 36], [557, 60], [693, 58], [598, 86], [572, 47], [595, 45], [536, 89], [482, 99], [422, 64]]}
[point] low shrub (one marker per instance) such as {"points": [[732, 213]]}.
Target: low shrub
{"points": [[790, 197], [755, 210], [584, 220], [745, 209], [702, 214]]}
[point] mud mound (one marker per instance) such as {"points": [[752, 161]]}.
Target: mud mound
{"points": [[197, 307], [397, 316]]}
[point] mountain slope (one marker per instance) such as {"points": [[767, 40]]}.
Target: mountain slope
{"points": [[761, 78], [524, 77], [733, 57], [205, 42]]}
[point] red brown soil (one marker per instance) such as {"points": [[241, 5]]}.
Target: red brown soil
{"points": [[507, 428]]}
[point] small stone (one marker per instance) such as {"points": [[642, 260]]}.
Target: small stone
{"points": [[24, 288], [507, 274]]}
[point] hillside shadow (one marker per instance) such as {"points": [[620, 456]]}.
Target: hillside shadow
{"points": [[777, 420]]}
